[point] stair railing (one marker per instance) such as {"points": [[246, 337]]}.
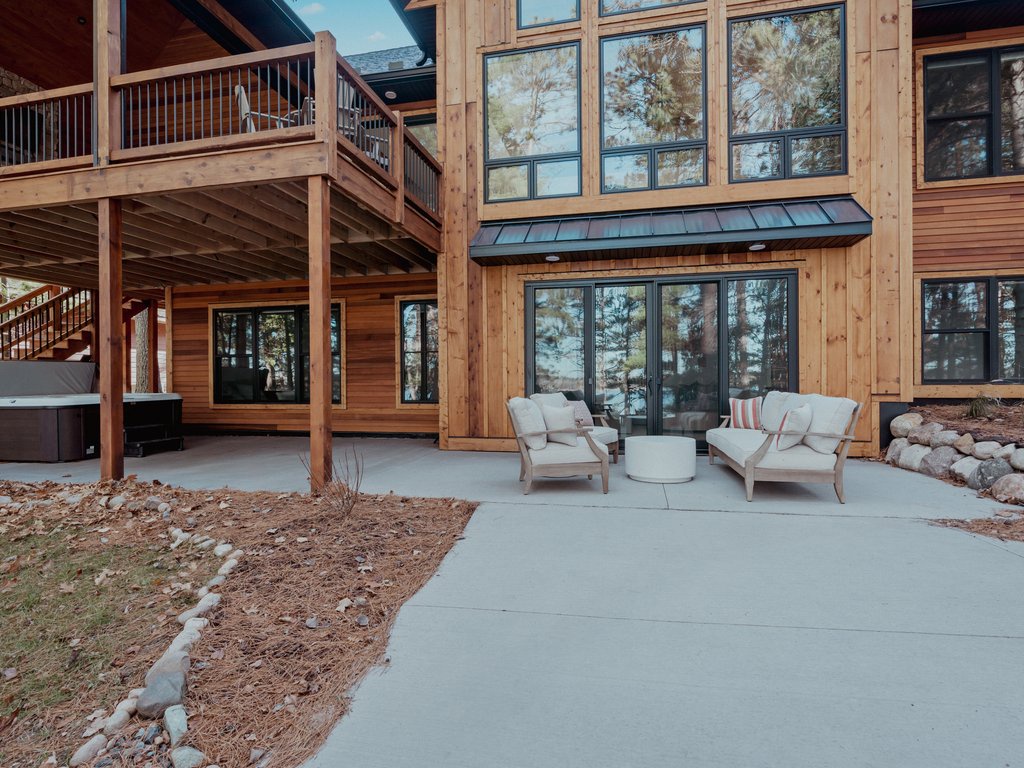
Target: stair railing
{"points": [[40, 326]]}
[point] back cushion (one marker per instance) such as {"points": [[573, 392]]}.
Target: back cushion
{"points": [[746, 414], [775, 406], [831, 415], [560, 419], [526, 417], [552, 400], [582, 412]]}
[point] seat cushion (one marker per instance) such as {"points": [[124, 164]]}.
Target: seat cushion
{"points": [[605, 435], [557, 453], [561, 424], [738, 444], [831, 415], [526, 418]]}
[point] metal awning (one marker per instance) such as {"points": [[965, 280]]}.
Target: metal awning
{"points": [[832, 222]]}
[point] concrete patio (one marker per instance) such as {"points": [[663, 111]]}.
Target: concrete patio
{"points": [[672, 625]]}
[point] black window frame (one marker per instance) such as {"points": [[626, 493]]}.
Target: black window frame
{"points": [[519, 18], [532, 161], [300, 342], [402, 304], [602, 12], [653, 150], [990, 331], [654, 329], [993, 115], [787, 136]]}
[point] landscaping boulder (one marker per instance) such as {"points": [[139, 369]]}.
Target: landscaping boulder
{"points": [[964, 468], [923, 435], [987, 473], [88, 751], [938, 462], [1005, 452], [965, 443], [892, 455], [901, 425], [187, 757], [1017, 459], [985, 449], [1009, 489], [166, 683], [912, 456], [175, 723], [944, 438]]}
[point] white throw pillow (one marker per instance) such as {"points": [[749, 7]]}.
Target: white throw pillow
{"points": [[831, 415], [528, 418], [776, 404], [560, 419], [551, 399], [796, 420], [583, 415]]}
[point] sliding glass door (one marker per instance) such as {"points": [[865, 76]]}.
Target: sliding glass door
{"points": [[663, 356]]}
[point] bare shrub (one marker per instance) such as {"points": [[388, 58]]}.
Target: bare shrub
{"points": [[341, 493], [982, 407]]}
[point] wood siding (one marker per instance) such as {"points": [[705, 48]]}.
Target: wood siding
{"points": [[855, 303], [369, 355]]}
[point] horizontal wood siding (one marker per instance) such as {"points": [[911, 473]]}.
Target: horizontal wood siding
{"points": [[369, 355]]}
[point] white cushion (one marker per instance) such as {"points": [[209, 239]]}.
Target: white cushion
{"points": [[738, 444], [775, 406], [563, 419], [605, 435], [831, 415], [556, 453], [795, 420], [552, 399], [526, 418], [583, 415]]}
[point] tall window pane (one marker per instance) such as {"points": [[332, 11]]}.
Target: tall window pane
{"points": [[758, 336], [419, 351], [233, 347], [955, 306], [620, 356], [689, 358], [276, 343], [955, 330], [558, 340], [1011, 329], [1011, 95], [335, 354], [533, 13]]}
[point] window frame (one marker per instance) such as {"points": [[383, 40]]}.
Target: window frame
{"points": [[519, 18], [652, 150], [994, 114], [990, 331], [337, 308], [787, 136], [400, 303], [601, 12], [532, 161]]}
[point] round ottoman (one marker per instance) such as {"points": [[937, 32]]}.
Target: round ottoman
{"points": [[661, 458]]}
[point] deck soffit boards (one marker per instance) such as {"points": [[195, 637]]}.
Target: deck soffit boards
{"points": [[832, 222]]}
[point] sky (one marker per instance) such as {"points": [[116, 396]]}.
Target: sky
{"points": [[359, 25]]}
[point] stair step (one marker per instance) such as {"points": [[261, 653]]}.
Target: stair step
{"points": [[141, 448]]}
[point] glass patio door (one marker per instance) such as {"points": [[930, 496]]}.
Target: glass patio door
{"points": [[688, 369], [621, 367]]}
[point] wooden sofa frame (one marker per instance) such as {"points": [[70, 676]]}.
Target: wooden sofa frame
{"points": [[527, 470], [751, 473]]}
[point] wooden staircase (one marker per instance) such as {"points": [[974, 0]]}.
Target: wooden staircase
{"points": [[51, 323]]}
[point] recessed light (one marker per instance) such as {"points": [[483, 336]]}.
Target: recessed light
{"points": [[757, 246], [81, 20], [390, 95], [552, 257]]}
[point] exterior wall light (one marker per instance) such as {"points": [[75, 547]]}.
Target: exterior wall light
{"points": [[552, 257], [757, 246]]}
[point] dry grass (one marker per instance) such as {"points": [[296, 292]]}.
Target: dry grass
{"points": [[1007, 525], [984, 418]]}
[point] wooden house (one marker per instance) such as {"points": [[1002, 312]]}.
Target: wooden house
{"points": [[652, 205]]}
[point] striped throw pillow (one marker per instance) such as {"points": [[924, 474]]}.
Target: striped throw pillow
{"points": [[796, 420], [746, 413]]}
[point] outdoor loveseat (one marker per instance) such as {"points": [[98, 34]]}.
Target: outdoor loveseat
{"points": [[787, 437]]}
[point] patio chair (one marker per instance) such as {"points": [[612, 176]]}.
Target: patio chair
{"points": [[818, 455], [304, 115], [596, 423], [544, 457]]}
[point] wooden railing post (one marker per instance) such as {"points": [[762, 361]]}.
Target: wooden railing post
{"points": [[325, 84], [398, 167], [110, 340], [321, 459], [107, 60]]}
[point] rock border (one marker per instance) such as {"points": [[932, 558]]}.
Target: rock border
{"points": [[985, 466]]}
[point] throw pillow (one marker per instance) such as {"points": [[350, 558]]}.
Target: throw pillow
{"points": [[775, 406], [831, 415], [528, 418], [796, 420], [553, 399], [746, 414], [560, 419], [583, 416]]}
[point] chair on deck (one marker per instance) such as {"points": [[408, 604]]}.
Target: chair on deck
{"points": [[595, 423], [304, 115]]}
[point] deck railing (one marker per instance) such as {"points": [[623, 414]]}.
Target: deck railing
{"points": [[364, 121], [30, 332], [46, 127], [27, 301], [228, 100], [422, 176]]}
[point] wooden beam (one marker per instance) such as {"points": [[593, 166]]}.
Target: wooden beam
{"points": [[169, 338], [111, 342], [320, 384], [107, 64]]}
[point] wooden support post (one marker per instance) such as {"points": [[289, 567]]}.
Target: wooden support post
{"points": [[398, 168], [127, 330], [110, 341], [169, 338], [325, 88], [320, 384], [153, 339], [107, 59]]}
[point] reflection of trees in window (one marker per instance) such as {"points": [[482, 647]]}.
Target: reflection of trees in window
{"points": [[620, 340], [420, 341], [426, 134], [534, 13], [758, 336], [653, 96], [532, 109], [689, 351], [787, 79], [1011, 92], [558, 340], [609, 7]]}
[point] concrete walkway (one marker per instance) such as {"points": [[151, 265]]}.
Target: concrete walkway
{"points": [[674, 625]]}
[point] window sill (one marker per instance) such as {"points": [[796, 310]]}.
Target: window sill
{"points": [[965, 391], [979, 181]]}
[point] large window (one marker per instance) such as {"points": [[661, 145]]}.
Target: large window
{"points": [[787, 95], [261, 355], [974, 114], [532, 116], [419, 350], [973, 330], [536, 13], [662, 356], [652, 104], [610, 7]]}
